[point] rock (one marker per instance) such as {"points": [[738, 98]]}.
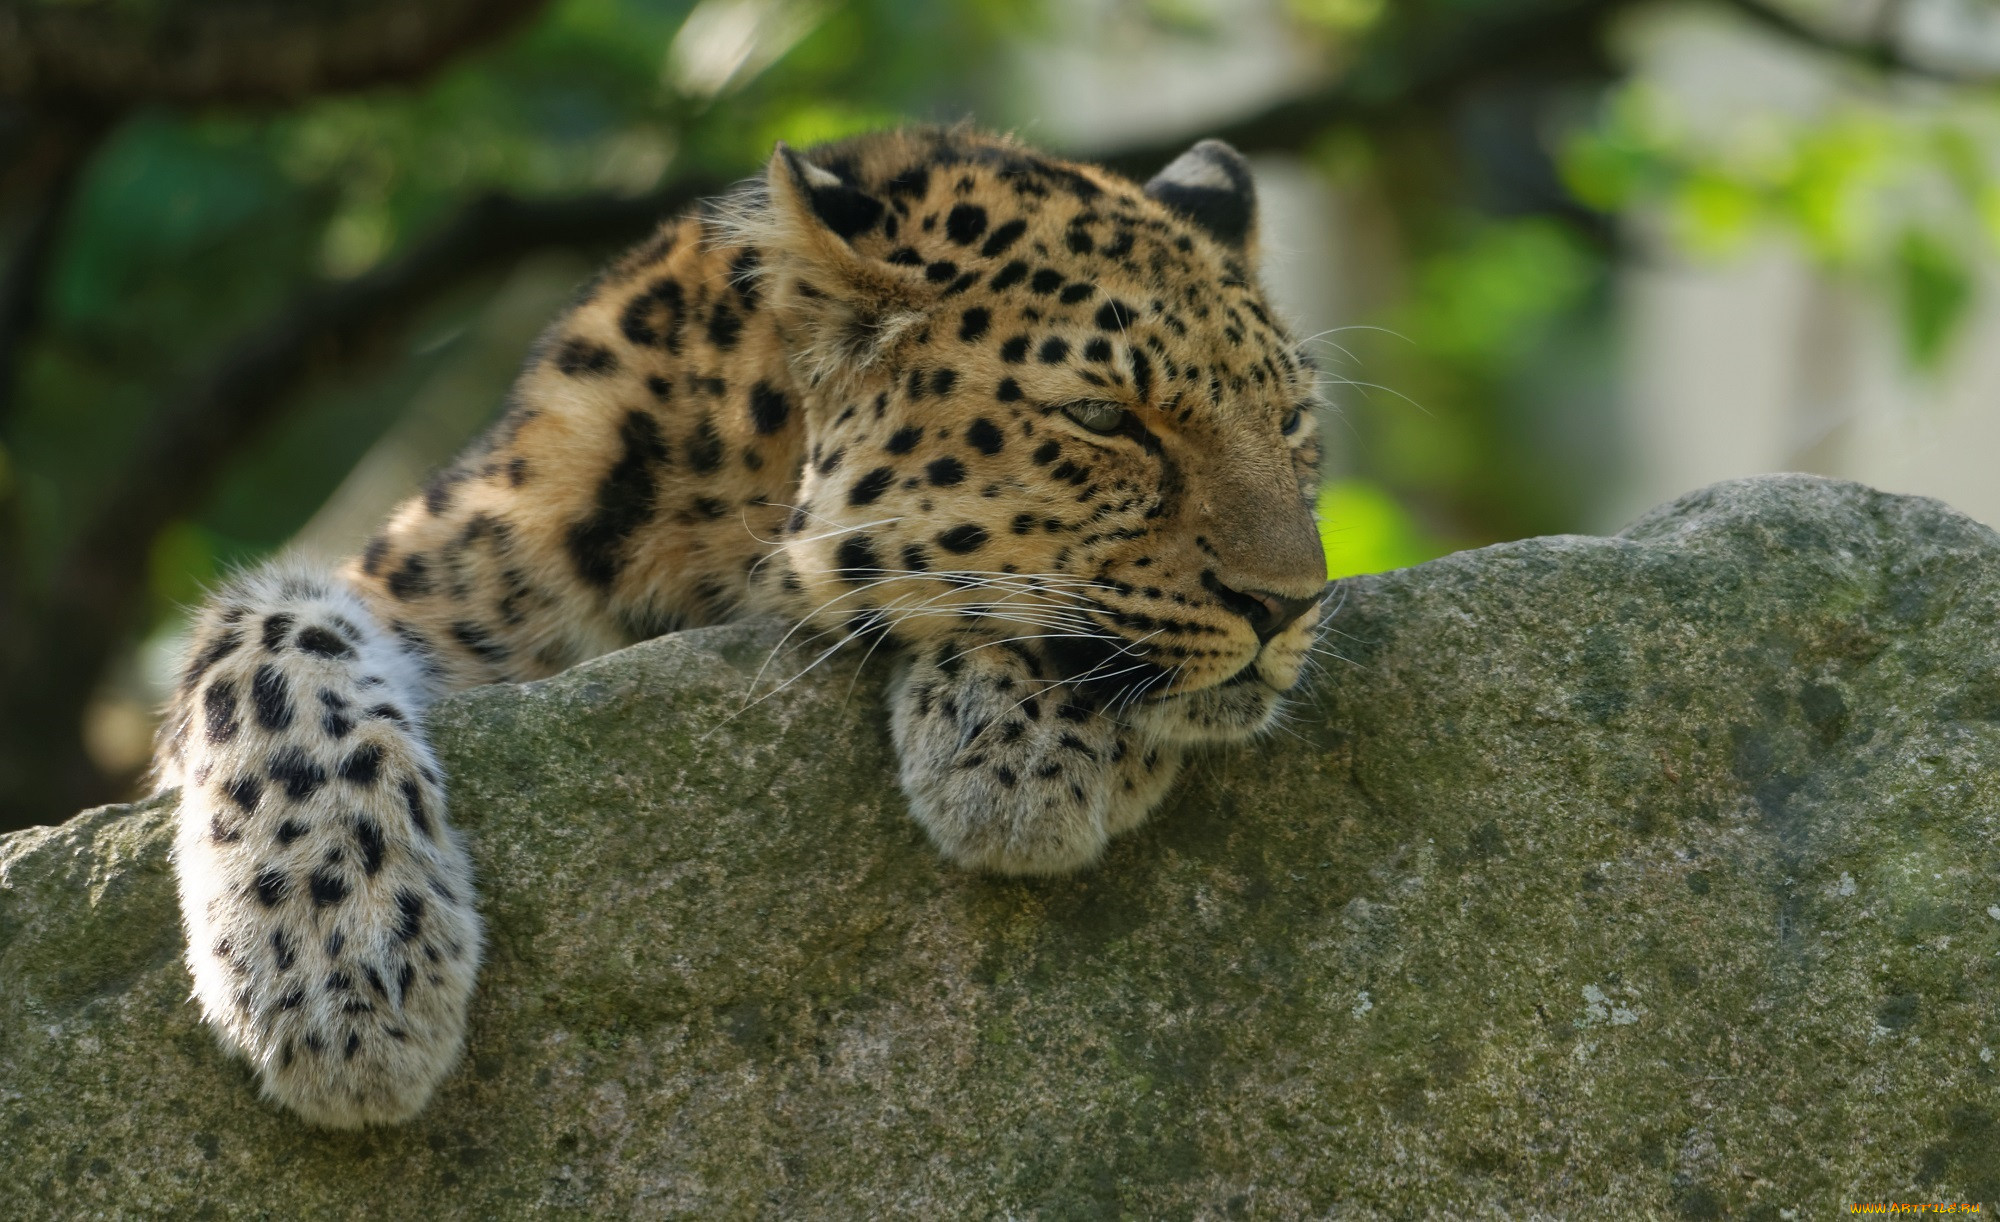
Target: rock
{"points": [[1653, 875]]}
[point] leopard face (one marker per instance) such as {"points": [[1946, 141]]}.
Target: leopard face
{"points": [[1046, 401]]}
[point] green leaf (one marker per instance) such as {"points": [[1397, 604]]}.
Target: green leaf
{"points": [[1366, 530], [1936, 294]]}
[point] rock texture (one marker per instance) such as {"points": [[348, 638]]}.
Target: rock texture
{"points": [[1643, 876]]}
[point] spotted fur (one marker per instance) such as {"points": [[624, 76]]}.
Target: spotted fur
{"points": [[1029, 423]]}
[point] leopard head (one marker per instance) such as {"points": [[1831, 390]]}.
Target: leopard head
{"points": [[1051, 403]]}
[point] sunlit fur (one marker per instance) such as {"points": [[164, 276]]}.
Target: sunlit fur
{"points": [[1087, 534], [331, 933], [855, 394]]}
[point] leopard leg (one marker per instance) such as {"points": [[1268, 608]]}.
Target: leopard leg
{"points": [[1143, 769], [1011, 772], [329, 907]]}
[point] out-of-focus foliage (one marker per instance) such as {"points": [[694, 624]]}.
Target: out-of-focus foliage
{"points": [[1367, 530], [1483, 151], [1467, 406], [1341, 16], [1901, 192], [192, 228]]}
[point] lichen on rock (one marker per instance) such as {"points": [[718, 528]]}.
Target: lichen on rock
{"points": [[1647, 875]]}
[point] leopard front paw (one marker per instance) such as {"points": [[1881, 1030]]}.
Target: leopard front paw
{"points": [[333, 938], [1013, 772]]}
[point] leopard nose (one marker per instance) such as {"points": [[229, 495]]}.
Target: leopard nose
{"points": [[1276, 612], [1268, 612]]}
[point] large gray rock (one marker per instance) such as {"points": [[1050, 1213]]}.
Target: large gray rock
{"points": [[1631, 876]]}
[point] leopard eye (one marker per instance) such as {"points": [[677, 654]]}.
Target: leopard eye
{"points": [[1293, 421], [1096, 415]]}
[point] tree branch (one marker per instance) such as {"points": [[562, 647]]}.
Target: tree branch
{"points": [[198, 51], [51, 158], [51, 168], [1882, 53], [1409, 79]]}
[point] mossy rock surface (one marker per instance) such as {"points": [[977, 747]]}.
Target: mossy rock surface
{"points": [[1644, 876]]}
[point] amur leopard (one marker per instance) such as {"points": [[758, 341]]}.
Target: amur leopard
{"points": [[1029, 424]]}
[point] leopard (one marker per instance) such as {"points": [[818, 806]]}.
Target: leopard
{"points": [[1028, 426]]}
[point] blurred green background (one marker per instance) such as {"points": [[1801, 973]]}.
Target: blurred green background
{"points": [[266, 263]]}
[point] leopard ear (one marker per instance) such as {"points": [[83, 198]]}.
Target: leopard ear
{"points": [[819, 195], [1210, 185], [849, 309]]}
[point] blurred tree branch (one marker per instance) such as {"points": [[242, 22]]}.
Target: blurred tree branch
{"points": [[44, 176], [1564, 36], [1882, 51], [198, 51]]}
